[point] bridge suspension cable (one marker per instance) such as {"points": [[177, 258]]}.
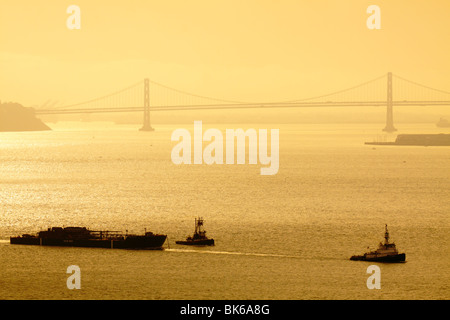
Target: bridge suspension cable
{"points": [[103, 98], [340, 92], [193, 95], [407, 90]]}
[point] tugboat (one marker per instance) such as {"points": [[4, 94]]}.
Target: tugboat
{"points": [[443, 123], [199, 238], [83, 237], [386, 252]]}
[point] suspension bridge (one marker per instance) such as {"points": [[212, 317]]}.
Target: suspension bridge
{"points": [[148, 96]]}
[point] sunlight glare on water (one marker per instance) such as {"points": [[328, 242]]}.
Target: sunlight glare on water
{"points": [[286, 236]]}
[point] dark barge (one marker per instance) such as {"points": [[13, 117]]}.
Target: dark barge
{"points": [[83, 237]]}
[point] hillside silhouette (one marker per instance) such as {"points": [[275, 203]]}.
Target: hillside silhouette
{"points": [[15, 117]]}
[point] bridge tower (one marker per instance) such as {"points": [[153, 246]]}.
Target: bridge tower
{"points": [[389, 112], [146, 126]]}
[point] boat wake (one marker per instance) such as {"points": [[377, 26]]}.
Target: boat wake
{"points": [[234, 253]]}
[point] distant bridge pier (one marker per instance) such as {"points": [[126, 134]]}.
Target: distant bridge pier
{"points": [[146, 125], [389, 112]]}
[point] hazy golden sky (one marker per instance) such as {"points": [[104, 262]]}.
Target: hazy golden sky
{"points": [[235, 49]]}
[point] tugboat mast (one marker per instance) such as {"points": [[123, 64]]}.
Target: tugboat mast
{"points": [[386, 235], [198, 224]]}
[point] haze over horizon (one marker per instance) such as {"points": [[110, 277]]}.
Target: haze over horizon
{"points": [[246, 51]]}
